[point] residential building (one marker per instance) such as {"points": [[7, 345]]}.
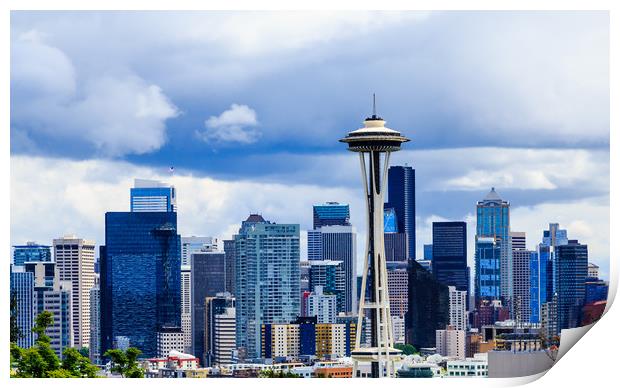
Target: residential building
{"points": [[457, 310], [450, 342], [140, 279], [218, 329], [330, 275], [322, 306], [75, 263], [169, 339], [152, 196], [522, 284], [267, 279]]}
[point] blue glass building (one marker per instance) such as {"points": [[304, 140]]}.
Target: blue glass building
{"points": [[571, 271], [428, 251], [401, 197], [330, 213], [22, 288], [390, 224], [140, 278], [493, 274], [267, 279], [152, 196], [31, 252], [596, 290], [450, 254]]}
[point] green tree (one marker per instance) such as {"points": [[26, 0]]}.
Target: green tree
{"points": [[407, 349], [15, 333], [78, 365], [84, 351], [125, 362]]}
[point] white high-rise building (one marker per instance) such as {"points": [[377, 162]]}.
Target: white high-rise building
{"points": [[186, 306], [398, 328], [457, 308], [398, 290], [75, 263], [451, 342], [168, 340], [224, 337], [322, 306]]}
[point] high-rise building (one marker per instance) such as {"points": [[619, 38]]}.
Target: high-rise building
{"points": [[571, 270], [552, 238], [94, 348], [54, 296], [487, 279], [321, 305], [75, 263], [395, 246], [398, 290], [522, 284], [428, 251], [193, 244], [152, 196], [224, 336], [450, 254], [518, 241], [390, 225], [451, 342], [31, 252], [457, 309], [330, 213], [428, 308], [229, 251], [219, 338], [535, 284], [169, 339], [186, 306], [140, 279], [401, 195], [267, 279], [330, 275], [493, 275], [22, 290], [339, 242], [208, 279]]}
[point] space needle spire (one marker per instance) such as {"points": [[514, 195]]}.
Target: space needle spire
{"points": [[374, 143]]}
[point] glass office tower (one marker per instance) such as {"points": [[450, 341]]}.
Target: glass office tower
{"points": [[401, 198], [450, 254], [570, 277], [31, 252], [140, 279], [152, 196]]}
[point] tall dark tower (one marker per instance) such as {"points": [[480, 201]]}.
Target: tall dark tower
{"points": [[401, 196], [374, 143]]}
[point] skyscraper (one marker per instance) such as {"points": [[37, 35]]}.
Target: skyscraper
{"points": [[429, 307], [22, 289], [267, 279], [457, 309], [186, 307], [339, 242], [395, 246], [401, 195], [330, 213], [398, 291], [218, 328], [152, 196], [140, 279], [522, 285], [208, 279], [75, 262], [570, 276], [31, 252], [450, 254], [493, 272]]}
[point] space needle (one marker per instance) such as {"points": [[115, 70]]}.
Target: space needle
{"points": [[374, 143]]}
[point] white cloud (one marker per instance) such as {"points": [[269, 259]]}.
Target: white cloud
{"points": [[231, 126], [118, 115]]}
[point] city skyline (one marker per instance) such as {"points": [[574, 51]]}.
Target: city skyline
{"points": [[220, 134]]}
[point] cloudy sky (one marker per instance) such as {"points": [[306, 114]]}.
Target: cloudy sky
{"points": [[248, 108]]}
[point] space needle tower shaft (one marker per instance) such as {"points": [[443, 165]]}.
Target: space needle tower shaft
{"points": [[374, 143]]}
